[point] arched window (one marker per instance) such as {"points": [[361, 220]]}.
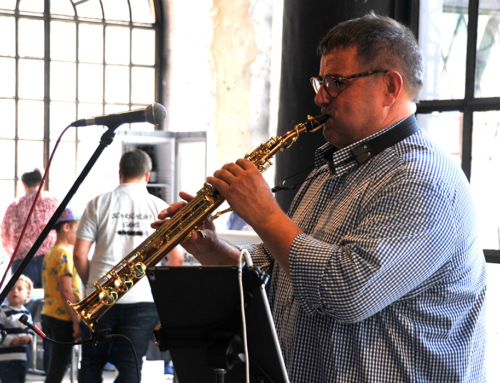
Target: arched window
{"points": [[63, 60]]}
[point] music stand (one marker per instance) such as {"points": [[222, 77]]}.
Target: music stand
{"points": [[200, 316]]}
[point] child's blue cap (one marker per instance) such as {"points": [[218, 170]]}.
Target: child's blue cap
{"points": [[69, 215]]}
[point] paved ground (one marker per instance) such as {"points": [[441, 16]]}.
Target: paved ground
{"points": [[108, 377]]}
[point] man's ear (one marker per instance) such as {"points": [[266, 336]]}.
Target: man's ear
{"points": [[394, 87]]}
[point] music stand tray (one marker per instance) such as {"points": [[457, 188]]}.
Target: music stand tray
{"points": [[200, 315]]}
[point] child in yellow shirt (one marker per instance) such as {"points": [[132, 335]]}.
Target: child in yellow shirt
{"points": [[61, 284]]}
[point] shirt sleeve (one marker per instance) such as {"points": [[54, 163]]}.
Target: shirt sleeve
{"points": [[6, 230], [261, 256], [65, 263], [2, 324], [87, 230], [406, 234]]}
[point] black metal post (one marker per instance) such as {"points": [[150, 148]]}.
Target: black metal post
{"points": [[106, 139]]}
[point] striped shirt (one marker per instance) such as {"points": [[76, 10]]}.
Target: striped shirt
{"points": [[388, 279], [9, 322]]}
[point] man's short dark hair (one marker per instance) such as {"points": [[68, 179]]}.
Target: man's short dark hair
{"points": [[135, 164], [382, 43], [32, 179]]}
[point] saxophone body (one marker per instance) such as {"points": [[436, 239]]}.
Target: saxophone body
{"points": [[121, 278]]}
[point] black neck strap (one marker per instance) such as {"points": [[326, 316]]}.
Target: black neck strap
{"points": [[366, 150], [371, 148]]}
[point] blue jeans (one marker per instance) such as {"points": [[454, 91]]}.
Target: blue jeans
{"points": [[33, 270], [13, 371], [135, 321]]}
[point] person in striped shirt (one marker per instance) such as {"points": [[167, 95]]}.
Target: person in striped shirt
{"points": [[16, 336]]}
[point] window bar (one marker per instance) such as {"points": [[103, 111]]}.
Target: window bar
{"points": [[130, 32], [104, 29], [16, 101], [160, 53], [77, 63], [469, 86], [46, 92]]}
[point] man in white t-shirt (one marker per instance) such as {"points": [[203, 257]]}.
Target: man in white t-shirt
{"points": [[117, 222]]}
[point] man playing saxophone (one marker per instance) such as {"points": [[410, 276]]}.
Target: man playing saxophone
{"points": [[376, 270]]}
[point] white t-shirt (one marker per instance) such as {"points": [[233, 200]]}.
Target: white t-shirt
{"points": [[118, 222]]}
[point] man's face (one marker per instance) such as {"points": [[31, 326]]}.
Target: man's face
{"points": [[357, 111], [18, 295]]}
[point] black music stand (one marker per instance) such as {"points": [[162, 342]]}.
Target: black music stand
{"points": [[200, 315]]}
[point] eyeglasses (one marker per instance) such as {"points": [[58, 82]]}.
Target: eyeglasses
{"points": [[332, 84]]}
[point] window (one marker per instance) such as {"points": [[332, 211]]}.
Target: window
{"points": [[460, 108], [460, 103], [76, 59]]}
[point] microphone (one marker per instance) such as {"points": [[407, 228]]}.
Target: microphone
{"points": [[154, 114], [24, 320]]}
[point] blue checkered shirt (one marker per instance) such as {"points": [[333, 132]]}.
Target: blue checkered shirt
{"points": [[388, 279]]}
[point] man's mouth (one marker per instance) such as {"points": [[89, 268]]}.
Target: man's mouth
{"points": [[327, 114]]}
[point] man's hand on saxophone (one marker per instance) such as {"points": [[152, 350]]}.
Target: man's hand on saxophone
{"points": [[247, 192], [208, 248]]}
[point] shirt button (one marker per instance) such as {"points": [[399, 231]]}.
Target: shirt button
{"points": [[288, 301]]}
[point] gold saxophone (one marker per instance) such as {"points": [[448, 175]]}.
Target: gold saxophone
{"points": [[121, 278]]}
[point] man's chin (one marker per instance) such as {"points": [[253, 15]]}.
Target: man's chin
{"points": [[329, 134], [329, 125], [332, 136]]}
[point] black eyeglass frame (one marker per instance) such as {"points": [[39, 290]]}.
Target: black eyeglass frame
{"points": [[338, 80]]}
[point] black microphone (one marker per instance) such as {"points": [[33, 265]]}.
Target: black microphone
{"points": [[154, 114], [24, 320]]}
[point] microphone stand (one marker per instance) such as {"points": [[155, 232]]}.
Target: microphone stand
{"points": [[106, 139]]}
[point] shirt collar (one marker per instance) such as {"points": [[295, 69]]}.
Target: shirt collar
{"points": [[342, 161], [132, 185]]}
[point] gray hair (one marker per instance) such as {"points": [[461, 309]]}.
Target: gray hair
{"points": [[382, 43]]}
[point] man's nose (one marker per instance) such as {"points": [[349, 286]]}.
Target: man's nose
{"points": [[322, 97]]}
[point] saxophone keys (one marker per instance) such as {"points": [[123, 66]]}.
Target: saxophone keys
{"points": [[108, 296], [124, 283], [138, 270]]}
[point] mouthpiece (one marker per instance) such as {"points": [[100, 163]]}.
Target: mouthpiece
{"points": [[314, 123]]}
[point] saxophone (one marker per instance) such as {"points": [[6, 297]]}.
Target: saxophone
{"points": [[121, 278]]}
